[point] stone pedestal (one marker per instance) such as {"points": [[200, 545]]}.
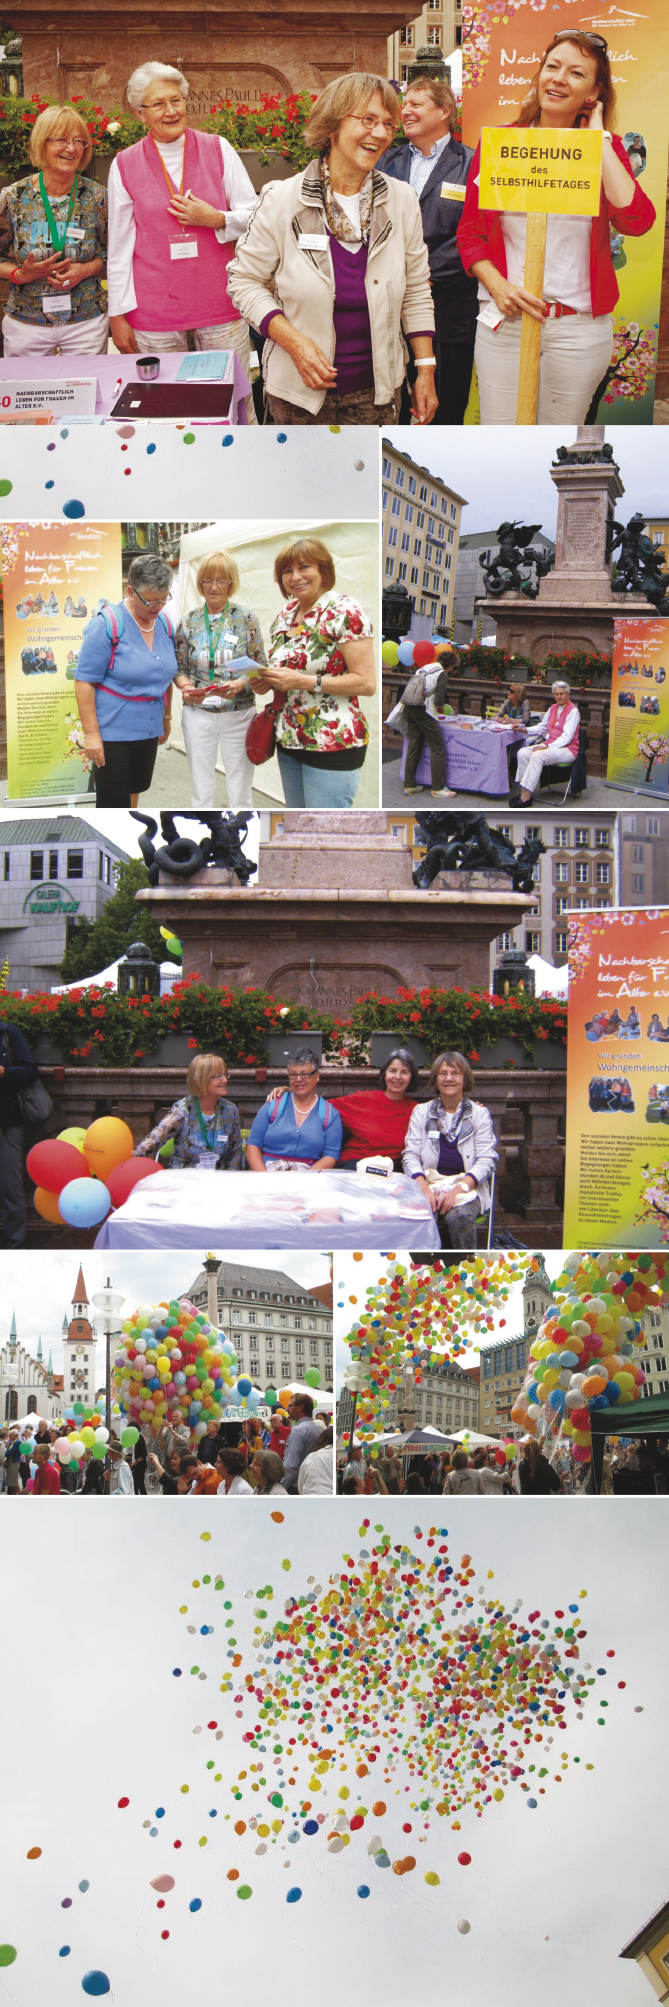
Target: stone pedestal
{"points": [[575, 607], [334, 914], [224, 50]]}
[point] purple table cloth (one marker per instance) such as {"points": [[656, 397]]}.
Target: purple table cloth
{"points": [[475, 761]]}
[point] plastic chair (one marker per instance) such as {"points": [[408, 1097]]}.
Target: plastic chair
{"points": [[573, 771], [487, 1220]]}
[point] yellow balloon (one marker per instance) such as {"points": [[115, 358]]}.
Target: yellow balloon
{"points": [[107, 1143]]}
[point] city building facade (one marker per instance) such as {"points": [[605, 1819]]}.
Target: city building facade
{"points": [[643, 862], [55, 870], [420, 536], [655, 1355], [650, 1951], [79, 1348], [503, 1363], [27, 1386], [578, 872], [278, 1327], [438, 27]]}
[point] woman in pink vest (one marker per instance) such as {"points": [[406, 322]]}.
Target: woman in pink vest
{"points": [[553, 742], [178, 201]]}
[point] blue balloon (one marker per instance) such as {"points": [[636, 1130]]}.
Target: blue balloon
{"points": [[613, 1393], [363, 1890], [195, 1904], [310, 1826], [405, 653], [95, 1983], [84, 1202], [245, 1386], [600, 1401], [160, 1331], [293, 1895], [556, 1399], [531, 1804], [65, 1950]]}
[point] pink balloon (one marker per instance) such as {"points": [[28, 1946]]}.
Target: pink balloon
{"points": [[163, 1883]]}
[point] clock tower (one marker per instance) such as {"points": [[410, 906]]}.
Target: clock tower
{"points": [[79, 1345]]}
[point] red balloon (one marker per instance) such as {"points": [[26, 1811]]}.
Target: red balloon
{"points": [[423, 652], [53, 1164], [121, 1181]]}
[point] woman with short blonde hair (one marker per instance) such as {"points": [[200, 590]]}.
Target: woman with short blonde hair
{"points": [[217, 646], [333, 271], [203, 1127], [53, 245]]}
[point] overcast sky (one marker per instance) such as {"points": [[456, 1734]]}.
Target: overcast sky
{"points": [[474, 461], [356, 1277], [40, 1287], [92, 1713]]}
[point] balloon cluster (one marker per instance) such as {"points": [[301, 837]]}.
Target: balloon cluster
{"points": [[421, 1317], [82, 1173], [410, 654], [174, 1366], [585, 1354]]}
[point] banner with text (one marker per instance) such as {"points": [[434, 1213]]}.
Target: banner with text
{"points": [[54, 577], [502, 49], [617, 1168], [639, 729]]}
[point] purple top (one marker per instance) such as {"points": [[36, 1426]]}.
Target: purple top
{"points": [[353, 342], [449, 1158]]}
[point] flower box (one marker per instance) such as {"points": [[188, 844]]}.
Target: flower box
{"points": [[548, 1054], [45, 1051], [384, 1042], [175, 1049]]}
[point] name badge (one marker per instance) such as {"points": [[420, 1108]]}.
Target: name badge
{"points": [[312, 240], [76, 235], [57, 304], [183, 247], [453, 191]]}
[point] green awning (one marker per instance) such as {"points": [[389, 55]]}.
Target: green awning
{"points": [[647, 1417]]}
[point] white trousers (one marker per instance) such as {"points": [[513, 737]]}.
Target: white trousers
{"points": [[230, 334], [71, 338], [204, 732], [575, 354], [531, 763]]}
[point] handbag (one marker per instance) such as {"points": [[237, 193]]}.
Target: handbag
{"points": [[261, 734], [34, 1102]]}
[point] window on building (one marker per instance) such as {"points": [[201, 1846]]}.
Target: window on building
{"points": [[581, 874], [253, 1316], [561, 906], [389, 567], [422, 493], [532, 944], [561, 873], [602, 874], [396, 509], [392, 537], [387, 470], [561, 943], [629, 825], [282, 1317], [75, 863], [299, 1347], [638, 882], [399, 477], [638, 853], [406, 38], [401, 573], [385, 498], [561, 839], [406, 541], [36, 865], [236, 1316], [414, 575], [652, 825], [504, 942], [582, 839], [602, 838], [411, 484]]}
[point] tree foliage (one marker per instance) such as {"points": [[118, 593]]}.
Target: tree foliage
{"points": [[95, 944]]}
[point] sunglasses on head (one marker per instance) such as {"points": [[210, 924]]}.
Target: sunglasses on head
{"points": [[567, 35]]}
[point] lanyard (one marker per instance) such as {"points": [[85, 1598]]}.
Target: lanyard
{"points": [[58, 242], [207, 1130], [213, 639], [168, 177]]}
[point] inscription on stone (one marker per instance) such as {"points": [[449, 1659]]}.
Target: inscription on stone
{"points": [[331, 989]]}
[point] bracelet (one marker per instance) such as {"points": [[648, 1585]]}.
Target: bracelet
{"points": [[425, 362], [13, 276]]}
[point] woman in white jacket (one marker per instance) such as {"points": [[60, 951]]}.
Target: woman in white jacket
{"points": [[450, 1138], [333, 272], [316, 1473]]}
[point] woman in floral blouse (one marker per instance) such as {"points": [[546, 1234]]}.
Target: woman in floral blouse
{"points": [[217, 646], [204, 1125], [321, 656], [53, 245]]}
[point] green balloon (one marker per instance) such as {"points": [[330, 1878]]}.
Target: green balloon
{"points": [[99, 1451], [78, 1407], [129, 1437], [73, 1465], [271, 1397], [312, 1376], [8, 1954], [26, 1449]]}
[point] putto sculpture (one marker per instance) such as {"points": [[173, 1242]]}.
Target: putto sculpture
{"points": [[640, 566], [182, 856], [467, 843], [516, 549]]}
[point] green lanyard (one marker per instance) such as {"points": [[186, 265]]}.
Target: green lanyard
{"points": [[213, 639], [207, 1138], [58, 242]]}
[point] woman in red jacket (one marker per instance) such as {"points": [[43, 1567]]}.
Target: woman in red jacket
{"points": [[572, 88]]}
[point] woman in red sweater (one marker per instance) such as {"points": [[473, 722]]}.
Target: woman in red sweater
{"points": [[572, 87], [376, 1120]]}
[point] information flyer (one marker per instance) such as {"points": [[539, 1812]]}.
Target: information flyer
{"points": [[617, 1167], [503, 42], [639, 729], [55, 576]]}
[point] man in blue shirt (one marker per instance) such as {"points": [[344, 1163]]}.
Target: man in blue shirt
{"points": [[303, 1434], [437, 166]]}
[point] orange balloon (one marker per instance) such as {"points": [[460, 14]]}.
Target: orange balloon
{"points": [[378, 1809], [46, 1204], [107, 1143]]}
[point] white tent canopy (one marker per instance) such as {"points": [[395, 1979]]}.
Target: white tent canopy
{"points": [[170, 973], [555, 981]]}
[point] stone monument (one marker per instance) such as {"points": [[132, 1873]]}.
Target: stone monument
{"points": [[335, 913], [575, 606], [225, 50]]}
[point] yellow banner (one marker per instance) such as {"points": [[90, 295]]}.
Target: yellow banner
{"points": [[555, 172], [54, 578]]}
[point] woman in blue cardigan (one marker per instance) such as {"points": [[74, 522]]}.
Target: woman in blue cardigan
{"points": [[300, 1129]]}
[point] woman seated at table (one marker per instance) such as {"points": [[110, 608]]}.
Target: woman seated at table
{"points": [[178, 200], [572, 87], [321, 662], [451, 1136], [334, 271], [123, 684], [300, 1130], [204, 1124], [515, 711], [552, 742], [375, 1120], [208, 642], [53, 244]]}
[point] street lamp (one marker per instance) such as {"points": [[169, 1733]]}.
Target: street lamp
{"points": [[108, 1304], [355, 1379]]}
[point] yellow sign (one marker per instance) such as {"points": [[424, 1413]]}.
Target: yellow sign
{"points": [[554, 172]]}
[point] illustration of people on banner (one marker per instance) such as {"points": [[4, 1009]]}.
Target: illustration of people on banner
{"points": [[617, 1169]]}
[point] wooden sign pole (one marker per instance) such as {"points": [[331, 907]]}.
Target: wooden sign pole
{"points": [[530, 329]]}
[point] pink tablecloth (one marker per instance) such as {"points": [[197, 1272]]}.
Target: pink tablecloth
{"points": [[113, 371]]}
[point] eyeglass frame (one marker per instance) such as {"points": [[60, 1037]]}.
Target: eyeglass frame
{"points": [[567, 35], [147, 602], [163, 105], [369, 120]]}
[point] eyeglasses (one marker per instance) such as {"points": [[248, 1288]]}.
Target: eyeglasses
{"points": [[305, 1073], [567, 35], [165, 104], [151, 604], [68, 140], [371, 122]]}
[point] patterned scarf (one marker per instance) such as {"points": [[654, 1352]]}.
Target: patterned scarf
{"points": [[338, 222]]}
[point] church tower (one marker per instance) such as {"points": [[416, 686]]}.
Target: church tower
{"points": [[537, 1297], [79, 1350]]}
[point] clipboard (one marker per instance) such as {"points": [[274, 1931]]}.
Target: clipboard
{"points": [[173, 400]]}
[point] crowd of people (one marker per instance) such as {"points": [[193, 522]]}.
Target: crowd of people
{"points": [[318, 664], [487, 1473], [291, 1456], [367, 281]]}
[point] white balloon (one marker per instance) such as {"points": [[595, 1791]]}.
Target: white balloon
{"points": [[464, 1927]]}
